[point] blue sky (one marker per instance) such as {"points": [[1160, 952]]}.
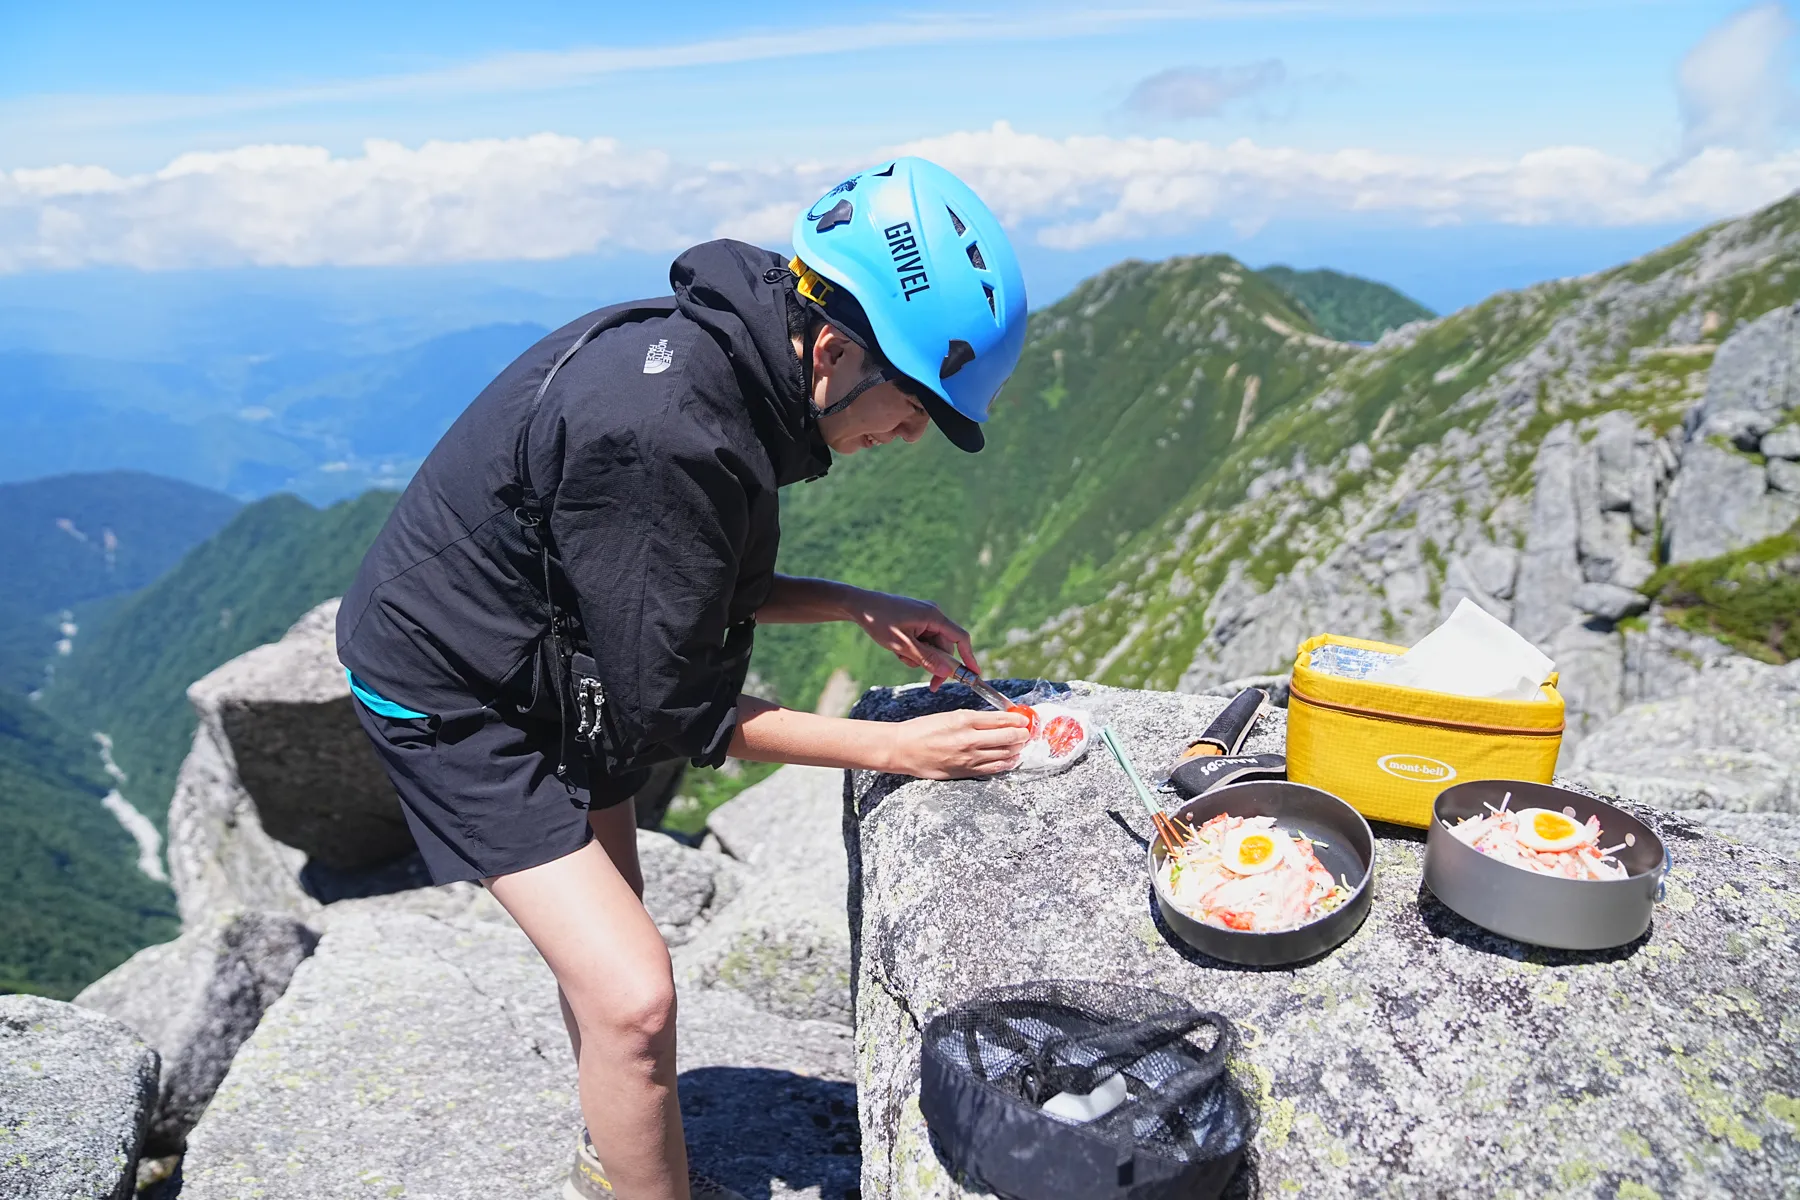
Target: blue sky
{"points": [[1457, 146]]}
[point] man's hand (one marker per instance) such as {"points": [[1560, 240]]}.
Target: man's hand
{"points": [[964, 744], [915, 631]]}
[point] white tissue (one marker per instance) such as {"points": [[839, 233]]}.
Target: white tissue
{"points": [[1474, 653], [1079, 1108]]}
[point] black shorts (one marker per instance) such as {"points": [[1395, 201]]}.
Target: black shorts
{"points": [[480, 791]]}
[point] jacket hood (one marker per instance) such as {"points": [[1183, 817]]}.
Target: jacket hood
{"points": [[720, 286]]}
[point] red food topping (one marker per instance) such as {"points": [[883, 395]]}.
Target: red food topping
{"points": [[1028, 712], [1063, 735], [1233, 920]]}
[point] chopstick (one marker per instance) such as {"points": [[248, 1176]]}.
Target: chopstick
{"points": [[1172, 835]]}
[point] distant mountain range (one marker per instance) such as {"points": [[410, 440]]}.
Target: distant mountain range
{"points": [[273, 396], [323, 424]]}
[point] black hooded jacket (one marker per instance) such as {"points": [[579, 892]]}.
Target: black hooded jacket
{"points": [[655, 455]]}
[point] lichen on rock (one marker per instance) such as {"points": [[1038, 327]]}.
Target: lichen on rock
{"points": [[76, 1092], [783, 942]]}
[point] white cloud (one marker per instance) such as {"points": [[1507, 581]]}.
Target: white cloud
{"points": [[1081, 191], [1182, 93], [1736, 84], [544, 196], [549, 196]]}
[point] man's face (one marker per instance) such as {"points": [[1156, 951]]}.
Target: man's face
{"points": [[875, 418]]}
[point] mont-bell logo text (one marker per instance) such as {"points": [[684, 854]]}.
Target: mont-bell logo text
{"points": [[658, 358], [1417, 768], [909, 260]]}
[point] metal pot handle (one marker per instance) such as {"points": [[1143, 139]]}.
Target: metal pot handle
{"points": [[1662, 881]]}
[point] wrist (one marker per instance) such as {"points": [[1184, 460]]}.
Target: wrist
{"points": [[850, 602], [886, 751]]}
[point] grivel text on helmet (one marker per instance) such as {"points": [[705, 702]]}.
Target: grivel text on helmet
{"points": [[908, 259]]}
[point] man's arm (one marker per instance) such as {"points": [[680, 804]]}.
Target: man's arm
{"points": [[796, 600], [916, 631], [949, 745]]}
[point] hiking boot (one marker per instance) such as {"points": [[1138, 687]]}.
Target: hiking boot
{"points": [[587, 1178], [588, 1181]]}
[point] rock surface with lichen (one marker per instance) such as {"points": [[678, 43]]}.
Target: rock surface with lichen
{"points": [[1424, 1057], [783, 941], [1731, 741], [195, 1000], [419, 1054], [76, 1092]]}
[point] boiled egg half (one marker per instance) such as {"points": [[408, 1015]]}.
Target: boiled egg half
{"points": [[1254, 850], [1546, 829]]}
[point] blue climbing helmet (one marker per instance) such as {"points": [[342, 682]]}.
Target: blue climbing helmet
{"points": [[929, 274]]}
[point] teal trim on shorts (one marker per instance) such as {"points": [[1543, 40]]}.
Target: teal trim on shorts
{"points": [[379, 705]]}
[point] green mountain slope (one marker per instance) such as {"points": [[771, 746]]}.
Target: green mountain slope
{"points": [[1425, 446], [1749, 600], [72, 539], [1131, 389], [72, 907], [245, 586], [1347, 306]]}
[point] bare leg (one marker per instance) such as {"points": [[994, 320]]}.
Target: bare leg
{"points": [[612, 967], [615, 829]]}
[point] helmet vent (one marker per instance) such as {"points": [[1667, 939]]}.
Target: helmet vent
{"points": [[992, 307], [887, 171], [975, 257], [960, 355], [840, 214], [956, 221]]}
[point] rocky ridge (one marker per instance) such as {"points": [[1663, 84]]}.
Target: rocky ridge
{"points": [[1731, 737], [1543, 454]]}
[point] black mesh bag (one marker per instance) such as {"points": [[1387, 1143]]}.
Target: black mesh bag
{"points": [[988, 1067]]}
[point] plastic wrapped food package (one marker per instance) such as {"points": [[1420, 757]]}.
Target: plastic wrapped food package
{"points": [[1349, 662], [1060, 732]]}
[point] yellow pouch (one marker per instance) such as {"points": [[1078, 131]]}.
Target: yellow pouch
{"points": [[1388, 751]]}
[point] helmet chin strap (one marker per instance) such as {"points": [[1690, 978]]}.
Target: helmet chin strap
{"points": [[874, 379]]}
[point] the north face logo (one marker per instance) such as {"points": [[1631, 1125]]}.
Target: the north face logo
{"points": [[658, 358]]}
